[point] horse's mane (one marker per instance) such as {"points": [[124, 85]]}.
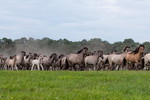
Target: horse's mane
{"points": [[44, 56], [114, 51], [137, 49], [99, 51], [52, 55], [82, 50], [27, 56], [11, 57], [61, 55], [125, 48]]}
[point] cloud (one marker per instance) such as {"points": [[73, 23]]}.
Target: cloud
{"points": [[76, 19]]}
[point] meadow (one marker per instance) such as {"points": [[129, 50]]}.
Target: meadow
{"points": [[71, 85]]}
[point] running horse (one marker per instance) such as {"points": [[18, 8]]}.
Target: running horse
{"points": [[91, 62], [72, 60], [135, 57]]}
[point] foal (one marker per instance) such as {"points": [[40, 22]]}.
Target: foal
{"points": [[38, 63]]}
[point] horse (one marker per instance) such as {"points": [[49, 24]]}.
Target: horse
{"points": [[92, 60], [38, 63], [58, 62], [11, 63], [116, 60], [53, 60], [20, 59], [48, 62], [103, 62], [63, 63], [27, 61], [73, 60], [1, 61], [135, 57], [146, 61], [45, 62]]}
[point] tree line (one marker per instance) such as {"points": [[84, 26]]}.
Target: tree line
{"points": [[64, 46]]}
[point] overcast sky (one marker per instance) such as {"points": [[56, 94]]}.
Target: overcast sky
{"points": [[111, 20]]}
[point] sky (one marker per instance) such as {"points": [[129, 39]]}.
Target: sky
{"points": [[75, 20]]}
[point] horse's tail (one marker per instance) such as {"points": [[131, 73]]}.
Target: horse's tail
{"points": [[67, 64], [124, 61], [107, 61], [143, 63]]}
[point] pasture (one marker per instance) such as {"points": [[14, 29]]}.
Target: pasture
{"points": [[71, 85]]}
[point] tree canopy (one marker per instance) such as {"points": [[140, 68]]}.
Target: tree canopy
{"points": [[48, 46]]}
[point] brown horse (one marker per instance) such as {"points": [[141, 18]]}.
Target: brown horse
{"points": [[135, 57], [73, 60]]}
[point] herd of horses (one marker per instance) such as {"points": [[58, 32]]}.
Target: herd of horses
{"points": [[80, 61]]}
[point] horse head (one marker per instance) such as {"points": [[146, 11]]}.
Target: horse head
{"points": [[139, 49], [53, 57], [60, 56], [126, 49], [94, 53], [100, 54], [23, 53], [84, 51]]}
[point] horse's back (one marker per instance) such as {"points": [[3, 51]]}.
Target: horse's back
{"points": [[147, 57], [116, 58], [90, 60], [74, 58]]}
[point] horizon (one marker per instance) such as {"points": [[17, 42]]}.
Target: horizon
{"points": [[74, 41]]}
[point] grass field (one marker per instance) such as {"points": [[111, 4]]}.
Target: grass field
{"points": [[66, 85]]}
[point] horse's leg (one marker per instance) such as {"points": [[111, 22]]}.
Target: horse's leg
{"points": [[32, 66], [5, 67], [38, 66], [111, 66], [42, 67], [119, 67], [16, 67], [136, 66], [115, 67], [148, 67], [95, 67]]}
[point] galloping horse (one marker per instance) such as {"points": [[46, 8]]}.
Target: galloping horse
{"points": [[48, 62], [93, 60], [76, 59], [135, 57], [117, 59]]}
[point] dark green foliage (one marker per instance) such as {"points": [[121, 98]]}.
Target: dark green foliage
{"points": [[48, 46]]}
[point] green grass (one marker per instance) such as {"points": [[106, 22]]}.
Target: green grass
{"points": [[69, 85]]}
